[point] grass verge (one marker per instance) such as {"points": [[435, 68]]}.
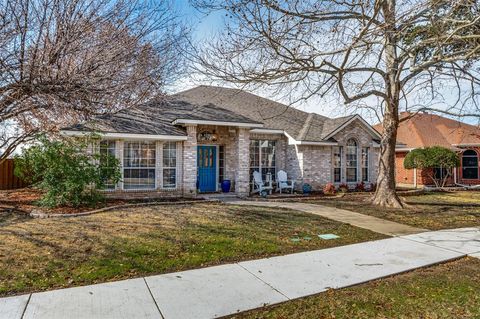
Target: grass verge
{"points": [[450, 290], [40, 254]]}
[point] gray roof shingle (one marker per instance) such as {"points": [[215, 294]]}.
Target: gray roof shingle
{"points": [[300, 125], [212, 103], [156, 118]]}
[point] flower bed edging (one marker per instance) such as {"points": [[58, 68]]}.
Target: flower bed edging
{"points": [[105, 209]]}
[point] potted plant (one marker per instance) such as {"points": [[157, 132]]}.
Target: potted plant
{"points": [[226, 184]]}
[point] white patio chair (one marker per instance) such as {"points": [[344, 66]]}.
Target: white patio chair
{"points": [[283, 182], [259, 186]]}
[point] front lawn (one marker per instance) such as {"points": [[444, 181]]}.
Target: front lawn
{"points": [[450, 290], [431, 211], [39, 254]]}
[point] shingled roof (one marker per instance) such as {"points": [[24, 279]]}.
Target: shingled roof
{"points": [[215, 104], [424, 129], [300, 125], [156, 118]]}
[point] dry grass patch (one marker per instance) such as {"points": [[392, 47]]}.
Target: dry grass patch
{"points": [[450, 290], [38, 254]]}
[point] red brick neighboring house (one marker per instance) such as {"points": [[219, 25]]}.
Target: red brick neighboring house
{"points": [[425, 129]]}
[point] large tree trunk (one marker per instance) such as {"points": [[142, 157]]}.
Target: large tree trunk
{"points": [[385, 194]]}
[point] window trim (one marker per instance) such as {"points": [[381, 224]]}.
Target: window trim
{"points": [[147, 168], [470, 167], [163, 167], [367, 152], [347, 167], [260, 168], [340, 153], [108, 149]]}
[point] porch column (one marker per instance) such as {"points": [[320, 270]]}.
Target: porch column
{"points": [[190, 162], [242, 178]]}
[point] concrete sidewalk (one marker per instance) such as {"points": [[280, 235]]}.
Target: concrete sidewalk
{"points": [[375, 224], [227, 289]]}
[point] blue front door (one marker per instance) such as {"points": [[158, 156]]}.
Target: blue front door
{"points": [[207, 168]]}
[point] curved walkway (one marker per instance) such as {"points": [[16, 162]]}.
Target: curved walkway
{"points": [[375, 224]]}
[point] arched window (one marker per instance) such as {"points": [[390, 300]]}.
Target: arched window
{"points": [[351, 160], [470, 164]]}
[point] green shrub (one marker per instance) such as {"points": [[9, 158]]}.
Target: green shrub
{"points": [[67, 173], [429, 158]]}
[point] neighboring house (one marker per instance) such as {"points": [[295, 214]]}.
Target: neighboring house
{"points": [[424, 129], [191, 141]]}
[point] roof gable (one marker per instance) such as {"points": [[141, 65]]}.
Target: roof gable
{"points": [[349, 120]]}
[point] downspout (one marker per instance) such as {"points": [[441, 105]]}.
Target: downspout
{"points": [[415, 177]]}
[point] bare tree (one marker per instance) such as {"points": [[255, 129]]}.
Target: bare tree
{"points": [[67, 60], [385, 55]]}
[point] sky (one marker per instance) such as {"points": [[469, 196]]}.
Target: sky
{"points": [[206, 26]]}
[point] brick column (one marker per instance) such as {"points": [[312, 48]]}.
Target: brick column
{"points": [[242, 173], [190, 162]]}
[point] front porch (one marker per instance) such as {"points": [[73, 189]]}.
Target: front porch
{"points": [[216, 153], [213, 154]]}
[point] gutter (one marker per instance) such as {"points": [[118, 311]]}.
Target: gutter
{"points": [[126, 135], [218, 123]]}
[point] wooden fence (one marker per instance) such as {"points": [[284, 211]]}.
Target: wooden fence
{"points": [[8, 180]]}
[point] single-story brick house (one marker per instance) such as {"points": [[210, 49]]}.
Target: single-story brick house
{"points": [[425, 129], [191, 141]]}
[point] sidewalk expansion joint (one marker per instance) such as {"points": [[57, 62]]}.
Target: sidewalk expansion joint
{"points": [[151, 294], [266, 283]]}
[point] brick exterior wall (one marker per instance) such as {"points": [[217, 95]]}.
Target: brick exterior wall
{"points": [[190, 162], [405, 177], [242, 171], [303, 163], [312, 164], [317, 165], [294, 164]]}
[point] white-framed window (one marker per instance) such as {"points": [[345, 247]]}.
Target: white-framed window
{"points": [[169, 165], [352, 162], [337, 164], [365, 163], [262, 158], [139, 165], [107, 147]]}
